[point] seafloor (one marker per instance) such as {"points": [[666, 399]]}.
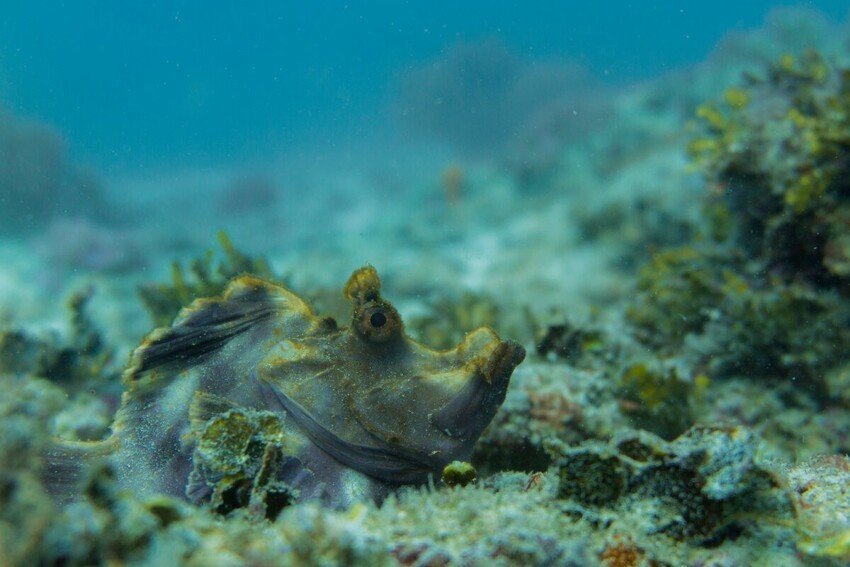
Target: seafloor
{"points": [[677, 265]]}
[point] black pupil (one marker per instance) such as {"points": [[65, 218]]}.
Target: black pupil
{"points": [[378, 319]]}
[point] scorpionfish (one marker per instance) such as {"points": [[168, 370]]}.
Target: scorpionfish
{"points": [[252, 397]]}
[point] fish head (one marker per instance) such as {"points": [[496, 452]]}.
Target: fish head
{"points": [[385, 404], [437, 403]]}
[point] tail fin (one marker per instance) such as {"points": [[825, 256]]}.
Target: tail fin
{"points": [[66, 464]]}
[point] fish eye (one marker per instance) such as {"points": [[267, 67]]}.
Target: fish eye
{"points": [[378, 319], [378, 323]]}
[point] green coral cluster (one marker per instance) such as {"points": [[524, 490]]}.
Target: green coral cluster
{"points": [[204, 277], [763, 293], [777, 151]]}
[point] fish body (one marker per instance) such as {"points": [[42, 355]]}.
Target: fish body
{"points": [[254, 392]]}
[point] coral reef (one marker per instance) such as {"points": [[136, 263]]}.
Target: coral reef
{"points": [[781, 167], [763, 294], [705, 485], [704, 498], [701, 421]]}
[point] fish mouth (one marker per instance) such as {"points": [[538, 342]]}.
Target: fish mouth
{"points": [[466, 415]]}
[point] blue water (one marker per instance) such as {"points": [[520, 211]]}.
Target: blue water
{"points": [[166, 83]]}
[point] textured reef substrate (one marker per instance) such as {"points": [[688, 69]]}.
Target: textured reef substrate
{"points": [[685, 398]]}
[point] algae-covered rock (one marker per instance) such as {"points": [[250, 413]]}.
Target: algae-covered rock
{"points": [[705, 486], [658, 399], [712, 306], [83, 360], [26, 509], [823, 507], [458, 473], [569, 342], [239, 463]]}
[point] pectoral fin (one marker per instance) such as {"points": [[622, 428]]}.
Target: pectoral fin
{"points": [[384, 461]]}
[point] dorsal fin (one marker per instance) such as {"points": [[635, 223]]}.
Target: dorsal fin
{"points": [[212, 347], [206, 325]]}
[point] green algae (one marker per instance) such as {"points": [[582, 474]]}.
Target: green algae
{"points": [[205, 276], [781, 167], [738, 321], [566, 341], [665, 403], [448, 319], [761, 293], [458, 473]]}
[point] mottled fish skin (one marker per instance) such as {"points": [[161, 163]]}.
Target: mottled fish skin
{"points": [[366, 407]]}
